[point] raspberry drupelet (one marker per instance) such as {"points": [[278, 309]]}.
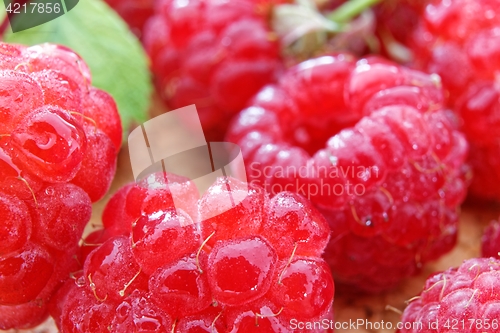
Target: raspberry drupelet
{"points": [[215, 54]]}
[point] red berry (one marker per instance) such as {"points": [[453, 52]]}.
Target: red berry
{"points": [[153, 272], [212, 54], [467, 294], [464, 34], [376, 152], [491, 240]]}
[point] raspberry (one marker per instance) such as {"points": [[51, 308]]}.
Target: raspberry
{"points": [[155, 271], [59, 140], [464, 34], [214, 54], [466, 298], [491, 240], [370, 144]]}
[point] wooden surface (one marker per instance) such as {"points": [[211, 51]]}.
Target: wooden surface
{"points": [[348, 308]]}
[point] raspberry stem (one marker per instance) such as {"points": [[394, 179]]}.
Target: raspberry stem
{"points": [[213, 323], [393, 309], [29, 187], [93, 288], [287, 264], [258, 315], [74, 113], [350, 9], [126, 285], [199, 251]]}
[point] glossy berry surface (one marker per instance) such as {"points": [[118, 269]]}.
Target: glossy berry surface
{"points": [[370, 144], [59, 140], [466, 298], [490, 246], [464, 34], [155, 270], [214, 54]]}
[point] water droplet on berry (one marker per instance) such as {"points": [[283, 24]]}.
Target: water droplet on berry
{"points": [[49, 191]]}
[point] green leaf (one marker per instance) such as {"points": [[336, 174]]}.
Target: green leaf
{"points": [[114, 55]]}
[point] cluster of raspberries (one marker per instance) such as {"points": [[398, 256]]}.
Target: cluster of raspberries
{"points": [[356, 169]]}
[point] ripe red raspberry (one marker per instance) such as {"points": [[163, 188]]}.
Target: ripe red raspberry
{"points": [[369, 143], [464, 299], [459, 40], [215, 54], [59, 139], [134, 12], [490, 246], [200, 274]]}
